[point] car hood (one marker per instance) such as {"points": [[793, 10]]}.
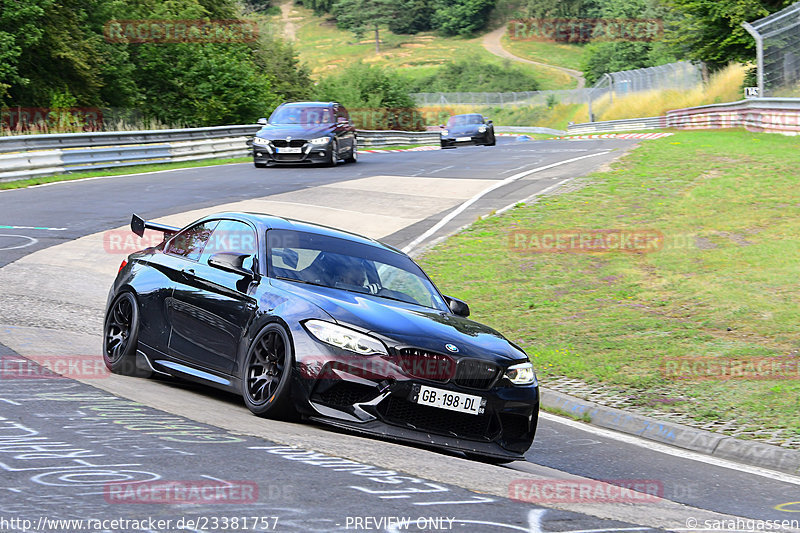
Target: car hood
{"points": [[468, 129], [296, 131], [407, 324]]}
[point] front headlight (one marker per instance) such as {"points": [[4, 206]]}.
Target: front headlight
{"points": [[260, 142], [521, 374], [345, 338], [445, 133], [321, 140], [481, 129]]}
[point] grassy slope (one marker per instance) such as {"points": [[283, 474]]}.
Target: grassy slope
{"points": [[325, 48], [563, 55], [725, 284]]}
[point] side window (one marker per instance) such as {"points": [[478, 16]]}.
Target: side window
{"points": [[191, 242], [231, 236]]}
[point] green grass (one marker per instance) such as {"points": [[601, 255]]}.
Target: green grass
{"points": [[563, 55], [326, 49], [724, 285], [19, 184]]}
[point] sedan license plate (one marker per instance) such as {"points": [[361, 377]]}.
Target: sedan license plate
{"points": [[289, 150], [452, 401], [462, 139]]}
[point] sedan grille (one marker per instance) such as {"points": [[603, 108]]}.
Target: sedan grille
{"points": [[476, 374], [282, 143], [401, 412]]}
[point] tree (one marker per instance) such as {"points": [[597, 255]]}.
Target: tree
{"points": [[711, 30], [359, 16], [462, 17]]}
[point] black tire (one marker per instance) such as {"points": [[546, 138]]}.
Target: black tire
{"points": [[267, 374], [334, 160], [353, 157], [493, 140], [121, 337], [259, 165]]}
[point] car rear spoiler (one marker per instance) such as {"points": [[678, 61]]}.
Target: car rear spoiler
{"points": [[138, 225]]}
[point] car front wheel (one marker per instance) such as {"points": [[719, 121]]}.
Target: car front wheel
{"points": [[353, 157], [267, 372]]}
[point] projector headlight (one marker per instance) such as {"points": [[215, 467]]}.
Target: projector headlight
{"points": [[321, 140], [345, 338], [481, 129], [260, 142], [521, 374]]}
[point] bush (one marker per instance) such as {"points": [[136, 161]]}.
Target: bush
{"points": [[474, 75], [377, 98]]}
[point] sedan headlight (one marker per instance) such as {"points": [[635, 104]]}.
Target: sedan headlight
{"points": [[345, 338], [521, 374], [321, 140], [481, 129], [260, 142], [445, 133]]}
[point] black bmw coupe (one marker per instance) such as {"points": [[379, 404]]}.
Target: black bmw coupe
{"points": [[308, 321]]}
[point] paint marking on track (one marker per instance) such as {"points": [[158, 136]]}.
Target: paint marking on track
{"points": [[676, 452], [33, 227], [460, 209]]}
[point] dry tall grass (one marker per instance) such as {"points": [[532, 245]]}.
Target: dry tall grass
{"points": [[723, 86]]}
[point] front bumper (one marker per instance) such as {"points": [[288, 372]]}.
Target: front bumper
{"points": [[310, 153], [477, 138], [375, 395]]}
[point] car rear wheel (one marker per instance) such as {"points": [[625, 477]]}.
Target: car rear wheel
{"points": [[121, 337], [267, 372]]}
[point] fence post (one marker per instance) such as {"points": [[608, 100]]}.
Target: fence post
{"points": [[759, 56]]}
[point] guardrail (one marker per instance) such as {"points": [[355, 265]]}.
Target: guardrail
{"points": [[28, 156], [628, 124], [767, 115], [527, 129]]}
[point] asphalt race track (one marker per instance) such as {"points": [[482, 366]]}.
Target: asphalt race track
{"points": [[65, 442]]}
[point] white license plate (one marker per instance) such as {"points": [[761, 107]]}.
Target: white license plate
{"points": [[462, 139], [289, 150], [452, 401]]}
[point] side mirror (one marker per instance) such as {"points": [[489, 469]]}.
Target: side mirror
{"points": [[441, 126], [458, 307], [231, 262], [262, 121], [488, 121]]}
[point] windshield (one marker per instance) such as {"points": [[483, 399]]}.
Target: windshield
{"points": [[301, 115], [463, 120], [350, 266]]}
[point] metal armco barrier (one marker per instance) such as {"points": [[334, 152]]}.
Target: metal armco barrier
{"points": [[528, 129], [767, 115], [27, 156], [628, 124]]}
